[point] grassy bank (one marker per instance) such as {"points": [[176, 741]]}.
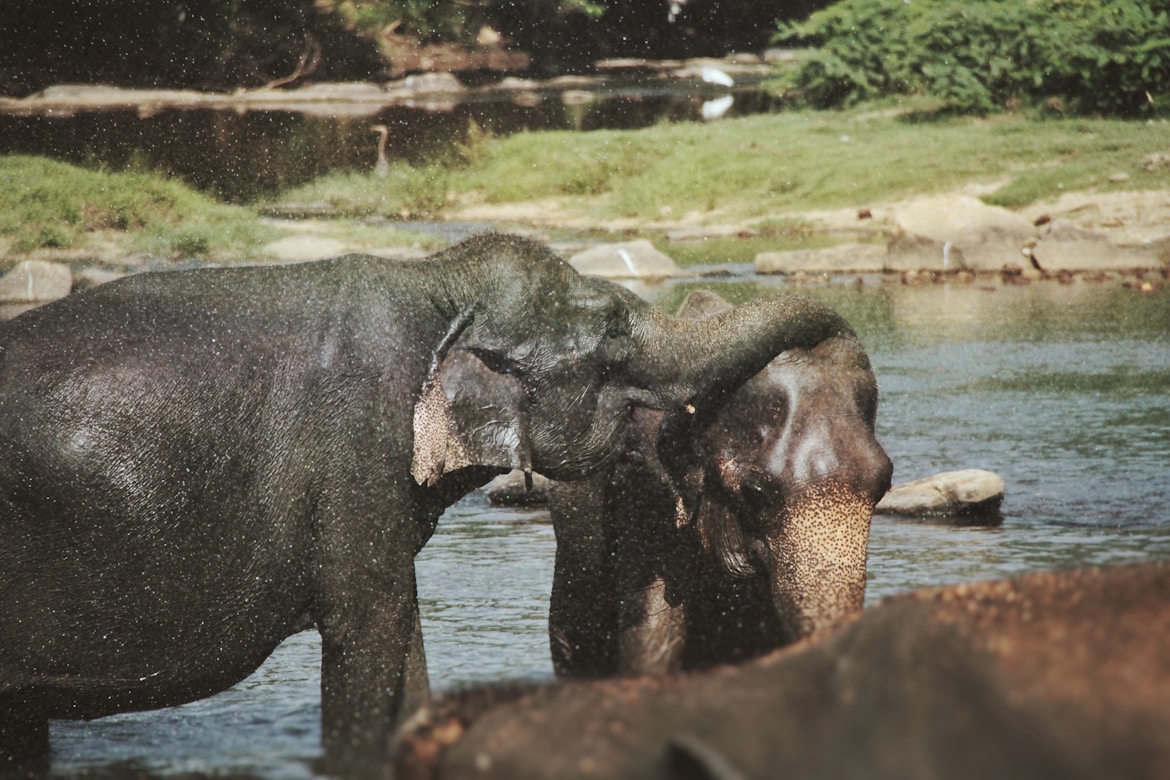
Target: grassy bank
{"points": [[48, 205], [771, 167], [769, 172]]}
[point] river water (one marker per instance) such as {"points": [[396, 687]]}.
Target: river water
{"points": [[1062, 390]]}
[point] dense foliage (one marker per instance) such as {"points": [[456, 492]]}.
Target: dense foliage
{"points": [[224, 44], [1078, 56]]}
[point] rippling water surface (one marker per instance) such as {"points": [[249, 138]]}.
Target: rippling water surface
{"points": [[1064, 391]]}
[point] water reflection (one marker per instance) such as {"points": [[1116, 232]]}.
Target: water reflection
{"points": [[247, 156], [1064, 391]]}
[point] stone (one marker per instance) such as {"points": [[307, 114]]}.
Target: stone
{"points": [[956, 232], [626, 260], [1064, 246], [510, 490], [294, 249], [35, 281], [970, 495], [843, 258], [973, 495], [1051, 674], [93, 277]]}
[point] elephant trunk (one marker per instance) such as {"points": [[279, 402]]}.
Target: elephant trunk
{"points": [[816, 565], [689, 361]]}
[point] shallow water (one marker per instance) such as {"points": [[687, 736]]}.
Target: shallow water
{"points": [[1063, 391]]}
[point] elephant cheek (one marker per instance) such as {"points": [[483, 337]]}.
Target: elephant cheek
{"points": [[817, 560]]}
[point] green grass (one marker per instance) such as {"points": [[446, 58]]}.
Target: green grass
{"points": [[407, 191], [762, 166], [51, 205]]}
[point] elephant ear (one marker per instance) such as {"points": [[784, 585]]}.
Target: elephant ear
{"points": [[468, 414], [721, 532], [719, 528], [686, 465]]}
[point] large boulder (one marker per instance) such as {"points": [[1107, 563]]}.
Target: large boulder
{"points": [[300, 248], [35, 281], [513, 489], [957, 233], [970, 495], [1047, 675], [626, 260], [843, 258], [1065, 247]]}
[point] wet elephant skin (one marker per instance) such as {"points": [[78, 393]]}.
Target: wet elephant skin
{"points": [[1049, 675], [196, 464]]}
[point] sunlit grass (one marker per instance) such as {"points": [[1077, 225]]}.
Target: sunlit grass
{"points": [[758, 166], [52, 205], [406, 191]]}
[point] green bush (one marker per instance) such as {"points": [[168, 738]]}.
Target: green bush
{"points": [[1075, 56]]}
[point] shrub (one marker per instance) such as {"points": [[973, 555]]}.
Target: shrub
{"points": [[1079, 56]]}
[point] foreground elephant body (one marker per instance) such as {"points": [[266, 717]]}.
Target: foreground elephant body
{"points": [[195, 465], [1051, 675], [766, 542]]}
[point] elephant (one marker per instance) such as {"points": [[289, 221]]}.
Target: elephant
{"points": [[766, 543], [196, 464], [1048, 674]]}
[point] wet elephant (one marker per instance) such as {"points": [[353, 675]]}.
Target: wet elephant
{"points": [[764, 543], [1049, 675], [195, 465]]}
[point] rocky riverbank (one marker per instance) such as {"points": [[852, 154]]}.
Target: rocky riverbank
{"points": [[1124, 238], [949, 237], [954, 237]]}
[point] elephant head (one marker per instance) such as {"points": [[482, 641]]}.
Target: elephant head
{"points": [[785, 476], [541, 367]]}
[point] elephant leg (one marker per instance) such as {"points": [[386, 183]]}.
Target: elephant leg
{"points": [[582, 619], [652, 637], [418, 683], [583, 607], [366, 687], [372, 662]]}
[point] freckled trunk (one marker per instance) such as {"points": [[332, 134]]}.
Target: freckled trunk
{"points": [[817, 564], [694, 361]]}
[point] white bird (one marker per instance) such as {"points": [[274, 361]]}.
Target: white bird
{"points": [[382, 167], [716, 76]]}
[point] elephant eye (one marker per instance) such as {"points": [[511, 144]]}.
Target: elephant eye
{"points": [[777, 410], [756, 497]]}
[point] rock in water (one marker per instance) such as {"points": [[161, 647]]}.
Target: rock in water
{"points": [[628, 260], [970, 494], [957, 233], [35, 281]]}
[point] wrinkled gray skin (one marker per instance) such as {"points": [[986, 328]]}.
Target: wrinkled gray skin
{"points": [[195, 465], [765, 543]]}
